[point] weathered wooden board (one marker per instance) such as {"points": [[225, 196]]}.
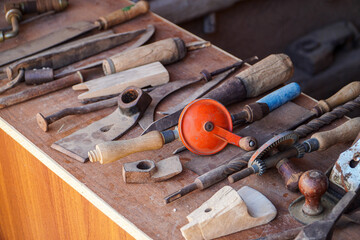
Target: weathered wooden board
{"points": [[140, 204]]}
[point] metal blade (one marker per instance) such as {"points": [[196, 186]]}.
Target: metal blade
{"points": [[199, 92], [171, 120], [45, 42], [143, 39]]}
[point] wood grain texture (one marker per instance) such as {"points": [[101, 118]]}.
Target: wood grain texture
{"points": [[36, 204], [140, 204]]}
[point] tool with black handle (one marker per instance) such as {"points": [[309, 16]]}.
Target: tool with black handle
{"points": [[73, 31], [260, 161]]}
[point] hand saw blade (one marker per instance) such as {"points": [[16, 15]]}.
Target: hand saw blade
{"points": [[45, 42], [169, 121]]}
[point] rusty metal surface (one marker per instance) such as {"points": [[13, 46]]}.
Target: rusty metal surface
{"points": [[45, 42], [346, 171], [131, 106]]}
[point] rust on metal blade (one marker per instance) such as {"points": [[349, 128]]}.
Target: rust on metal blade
{"points": [[45, 42]]}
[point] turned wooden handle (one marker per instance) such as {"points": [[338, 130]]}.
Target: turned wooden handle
{"points": [[124, 14], [344, 133], [111, 151], [266, 74], [165, 51], [289, 173], [347, 93]]}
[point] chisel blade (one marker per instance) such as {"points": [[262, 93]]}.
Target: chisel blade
{"points": [[45, 42]]}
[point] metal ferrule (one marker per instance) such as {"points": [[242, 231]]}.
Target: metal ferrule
{"points": [[311, 145], [169, 136]]}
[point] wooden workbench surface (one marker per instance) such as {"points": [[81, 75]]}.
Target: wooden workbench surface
{"points": [[140, 208]]}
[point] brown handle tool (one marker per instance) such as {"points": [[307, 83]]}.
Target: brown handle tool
{"points": [[40, 90], [123, 15]]}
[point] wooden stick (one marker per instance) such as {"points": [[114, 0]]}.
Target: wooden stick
{"points": [[40, 90]]}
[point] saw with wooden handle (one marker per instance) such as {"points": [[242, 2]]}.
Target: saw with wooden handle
{"points": [[72, 31]]}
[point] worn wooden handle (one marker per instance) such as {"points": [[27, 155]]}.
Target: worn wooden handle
{"points": [[266, 74], [344, 133], [347, 93], [165, 51], [108, 152], [124, 14], [289, 173]]}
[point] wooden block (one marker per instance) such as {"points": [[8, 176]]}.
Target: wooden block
{"points": [[152, 74], [229, 211]]}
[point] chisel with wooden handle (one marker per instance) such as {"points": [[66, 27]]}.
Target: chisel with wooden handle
{"points": [[72, 31], [263, 76], [165, 51]]}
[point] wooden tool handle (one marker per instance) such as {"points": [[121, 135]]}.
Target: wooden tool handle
{"points": [[41, 90], [347, 93], [266, 74], [108, 152], [123, 14], [344, 133], [289, 173], [165, 51]]}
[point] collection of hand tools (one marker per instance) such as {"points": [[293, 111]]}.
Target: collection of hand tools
{"points": [[135, 81]]}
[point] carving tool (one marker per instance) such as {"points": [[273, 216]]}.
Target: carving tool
{"points": [[345, 94], [165, 51], [152, 74], [44, 122], [204, 119], [161, 92], [251, 112], [40, 90], [257, 79], [68, 53], [260, 161], [72, 31], [15, 11], [150, 29], [132, 103]]}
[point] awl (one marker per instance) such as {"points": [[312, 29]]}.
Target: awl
{"points": [[72, 31], [257, 79]]}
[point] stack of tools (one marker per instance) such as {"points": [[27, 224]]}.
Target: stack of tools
{"points": [[136, 81]]}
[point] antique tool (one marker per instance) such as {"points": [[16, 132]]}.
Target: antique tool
{"points": [[257, 79], [160, 93], [260, 161], [144, 171], [152, 74], [203, 119], [345, 172], [132, 103], [44, 122], [40, 90], [72, 31], [150, 29], [323, 229], [229, 211], [166, 51], [15, 11], [210, 178], [345, 94], [68, 53]]}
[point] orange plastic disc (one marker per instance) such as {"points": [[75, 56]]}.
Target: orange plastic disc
{"points": [[191, 126]]}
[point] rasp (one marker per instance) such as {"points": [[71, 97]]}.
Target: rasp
{"points": [[72, 31]]}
